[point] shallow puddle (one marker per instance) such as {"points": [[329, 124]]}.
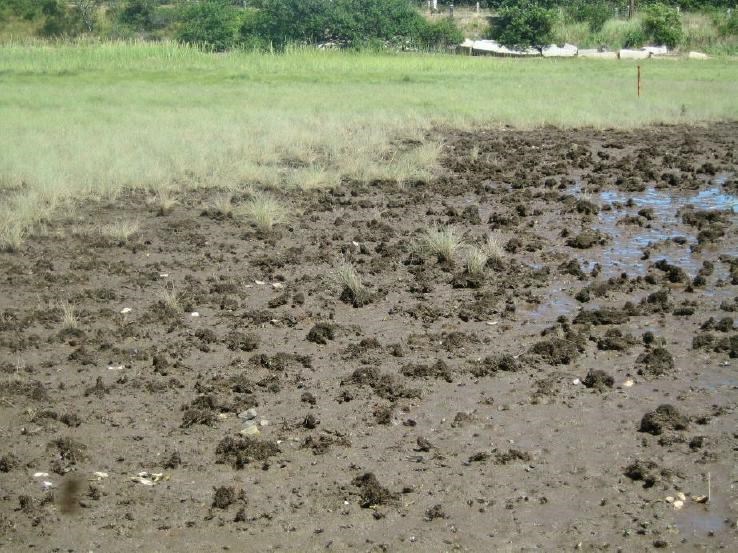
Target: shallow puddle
{"points": [[624, 253], [625, 250]]}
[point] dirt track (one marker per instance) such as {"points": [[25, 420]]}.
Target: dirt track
{"points": [[448, 414]]}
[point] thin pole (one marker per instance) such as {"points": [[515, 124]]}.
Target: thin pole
{"points": [[639, 81]]}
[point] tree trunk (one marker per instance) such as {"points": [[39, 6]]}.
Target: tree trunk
{"points": [[631, 9]]}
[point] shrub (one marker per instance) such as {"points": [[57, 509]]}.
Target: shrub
{"points": [[211, 24], [522, 24], [728, 25], [662, 25], [634, 38], [441, 33], [58, 20], [441, 242], [594, 12], [346, 22], [138, 14]]}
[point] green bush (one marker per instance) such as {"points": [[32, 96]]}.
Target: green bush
{"points": [[593, 12], [523, 23], [59, 20], [634, 38], [728, 25], [441, 33], [211, 24], [138, 14], [662, 25], [345, 22]]}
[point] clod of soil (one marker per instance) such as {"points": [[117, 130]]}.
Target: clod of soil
{"points": [[644, 471], [321, 333], [602, 317], [239, 452], [371, 492], [587, 239], [384, 385], [439, 369], [435, 512], [223, 497], [556, 351], [656, 362], [493, 363], [665, 417], [598, 380], [511, 456]]}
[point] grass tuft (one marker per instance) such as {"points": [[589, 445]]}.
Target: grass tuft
{"points": [[443, 242], [476, 261], [12, 235], [171, 298], [492, 248], [263, 211], [69, 316], [120, 231], [221, 205]]}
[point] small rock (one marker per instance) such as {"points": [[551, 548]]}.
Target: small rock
{"points": [[247, 415], [125, 310], [194, 314]]}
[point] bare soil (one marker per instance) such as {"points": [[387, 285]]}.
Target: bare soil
{"points": [[554, 404]]}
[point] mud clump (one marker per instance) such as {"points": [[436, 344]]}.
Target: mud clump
{"points": [[512, 456], [439, 369], [8, 462], [435, 512], [69, 452], [239, 452], [643, 471], [242, 341], [371, 492], [598, 380], [384, 385], [615, 340], [356, 296], [602, 317], [224, 497], [665, 417], [321, 333], [656, 362], [494, 363], [556, 351], [587, 239]]}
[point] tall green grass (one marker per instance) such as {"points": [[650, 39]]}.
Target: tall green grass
{"points": [[89, 119]]}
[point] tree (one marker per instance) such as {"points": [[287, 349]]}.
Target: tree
{"points": [[209, 23], [138, 14], [523, 23], [662, 25], [86, 10]]}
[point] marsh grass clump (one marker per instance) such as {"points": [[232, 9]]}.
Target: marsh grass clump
{"points": [[493, 248], [476, 261], [120, 231], [12, 235], [69, 316], [354, 292], [164, 202], [443, 242], [263, 211], [171, 298], [220, 206]]}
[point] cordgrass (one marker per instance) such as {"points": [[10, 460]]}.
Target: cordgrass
{"points": [[86, 120]]}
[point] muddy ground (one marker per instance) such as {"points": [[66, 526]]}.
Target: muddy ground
{"points": [[581, 396]]}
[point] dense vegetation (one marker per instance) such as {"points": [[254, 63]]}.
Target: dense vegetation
{"points": [[272, 24]]}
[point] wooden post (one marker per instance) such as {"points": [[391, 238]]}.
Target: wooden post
{"points": [[451, 10], [639, 81], [631, 9]]}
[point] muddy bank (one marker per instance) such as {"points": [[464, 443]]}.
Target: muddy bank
{"points": [[567, 397]]}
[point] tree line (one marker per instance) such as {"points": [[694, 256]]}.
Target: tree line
{"points": [[273, 24]]}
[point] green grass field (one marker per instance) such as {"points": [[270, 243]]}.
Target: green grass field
{"points": [[87, 120]]}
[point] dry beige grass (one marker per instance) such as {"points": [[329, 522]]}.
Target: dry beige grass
{"points": [[264, 211], [443, 242]]}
